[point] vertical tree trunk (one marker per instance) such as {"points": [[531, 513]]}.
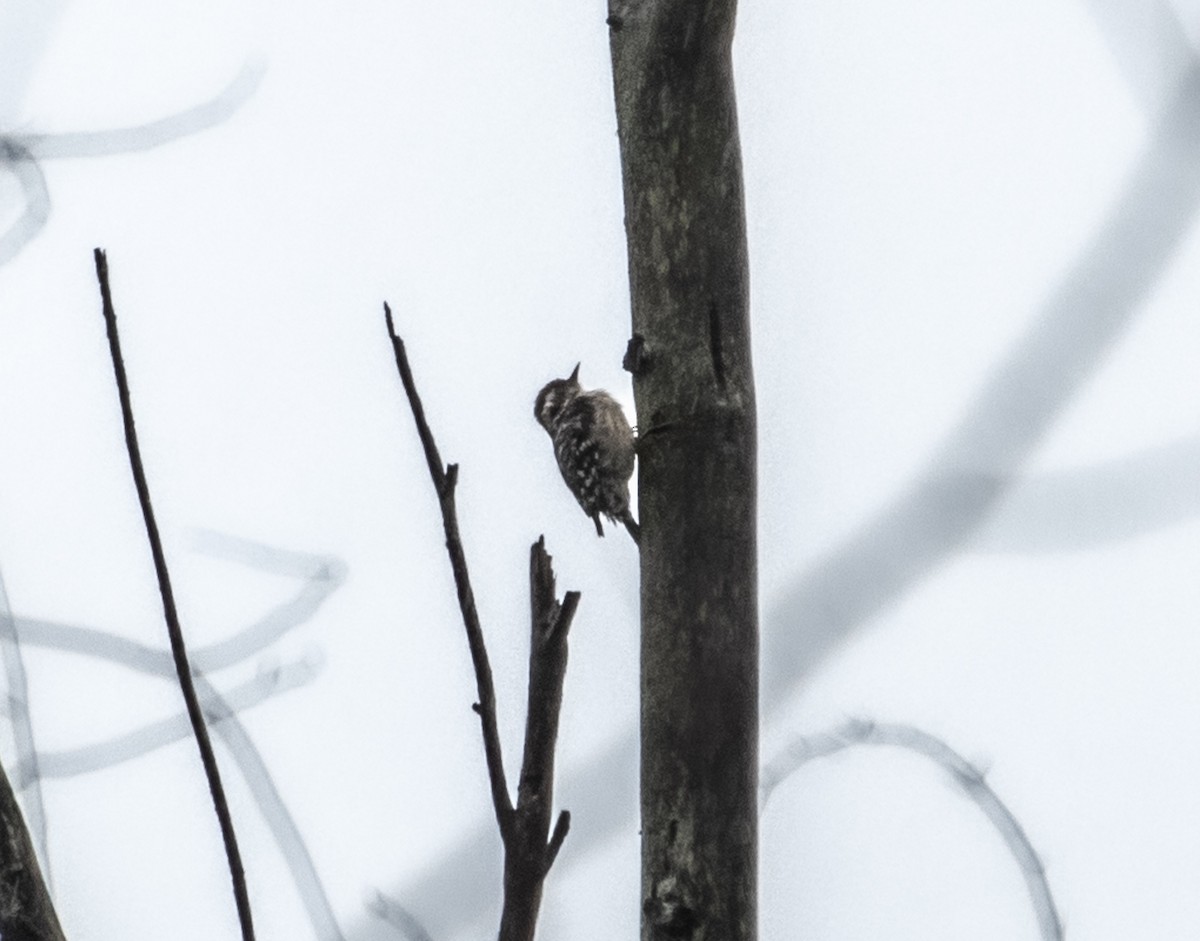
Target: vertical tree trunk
{"points": [[685, 226]]}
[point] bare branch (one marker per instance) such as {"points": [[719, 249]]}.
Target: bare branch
{"points": [[529, 849], [528, 855], [444, 482], [432, 457], [174, 630]]}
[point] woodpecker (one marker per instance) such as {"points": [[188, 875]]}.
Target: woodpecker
{"points": [[594, 446]]}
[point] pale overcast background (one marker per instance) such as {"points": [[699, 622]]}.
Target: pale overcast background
{"points": [[975, 248]]}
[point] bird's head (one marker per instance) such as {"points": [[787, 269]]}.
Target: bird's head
{"points": [[554, 396]]}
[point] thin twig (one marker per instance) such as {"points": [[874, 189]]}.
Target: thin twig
{"points": [[561, 827], [444, 481], [174, 630]]}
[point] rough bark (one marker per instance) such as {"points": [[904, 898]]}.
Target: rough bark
{"points": [[26, 912], [693, 384]]}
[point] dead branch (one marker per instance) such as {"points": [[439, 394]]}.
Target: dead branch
{"points": [[529, 847], [174, 630], [444, 481]]}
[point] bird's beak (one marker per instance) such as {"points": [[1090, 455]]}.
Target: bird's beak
{"points": [[575, 373]]}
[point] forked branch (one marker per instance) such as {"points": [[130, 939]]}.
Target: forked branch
{"points": [[529, 846]]}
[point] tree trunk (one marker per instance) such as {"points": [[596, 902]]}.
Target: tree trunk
{"points": [[693, 383]]}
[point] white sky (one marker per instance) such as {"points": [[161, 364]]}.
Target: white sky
{"points": [[922, 181]]}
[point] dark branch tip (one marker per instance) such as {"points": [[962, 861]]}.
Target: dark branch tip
{"points": [[562, 616], [562, 827]]}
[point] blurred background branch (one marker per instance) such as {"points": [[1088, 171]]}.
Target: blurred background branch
{"points": [[971, 779]]}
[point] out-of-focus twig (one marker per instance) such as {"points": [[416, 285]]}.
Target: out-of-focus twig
{"points": [[391, 912], [33, 218], [970, 778], [153, 134], [275, 814], [1084, 507], [21, 152], [85, 759]]}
